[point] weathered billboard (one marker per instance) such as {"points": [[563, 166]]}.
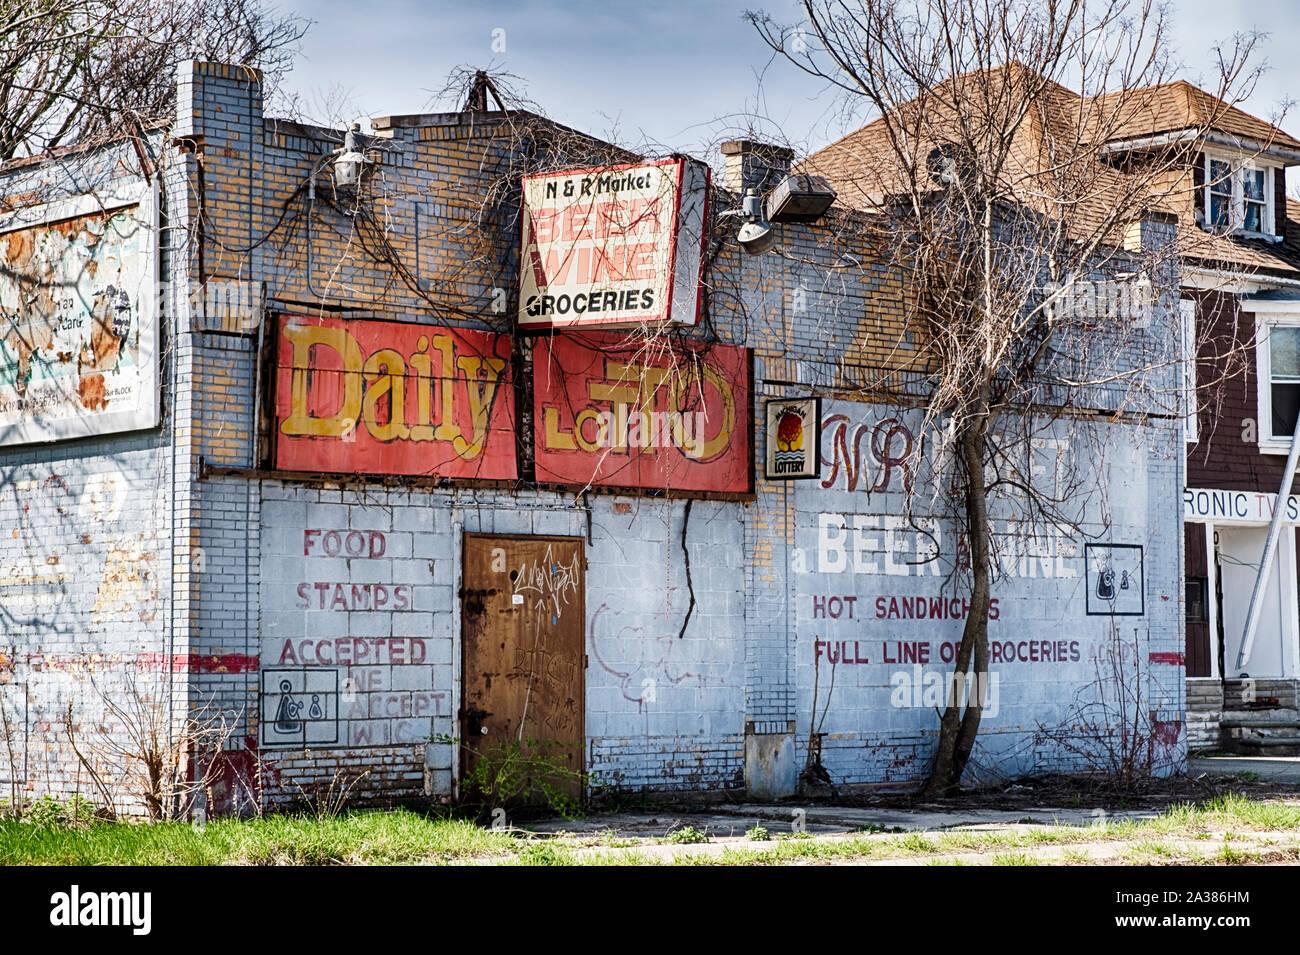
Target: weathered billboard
{"points": [[78, 324], [615, 247], [638, 412], [369, 397]]}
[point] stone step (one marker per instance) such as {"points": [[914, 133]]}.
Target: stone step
{"points": [[1232, 719], [1273, 745], [1267, 732]]}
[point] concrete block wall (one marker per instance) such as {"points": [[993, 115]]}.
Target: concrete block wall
{"points": [[814, 328], [865, 567], [84, 552], [666, 708], [664, 713], [87, 543], [358, 616], [266, 573]]}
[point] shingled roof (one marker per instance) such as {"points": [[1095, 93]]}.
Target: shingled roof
{"points": [[862, 169], [1173, 107]]}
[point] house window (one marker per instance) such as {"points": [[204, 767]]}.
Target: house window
{"points": [[1284, 378], [1238, 198], [1254, 202], [1220, 195]]}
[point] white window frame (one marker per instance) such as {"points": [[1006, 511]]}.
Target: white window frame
{"points": [[1187, 312], [1268, 316], [1238, 166]]}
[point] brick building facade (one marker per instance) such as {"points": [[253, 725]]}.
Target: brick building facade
{"points": [[339, 621]]}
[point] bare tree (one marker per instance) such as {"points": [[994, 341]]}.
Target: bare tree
{"points": [[1001, 170], [81, 70], [14, 802], [142, 752]]}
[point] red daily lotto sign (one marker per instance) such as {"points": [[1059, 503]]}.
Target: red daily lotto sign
{"points": [[364, 397], [616, 246], [629, 411]]}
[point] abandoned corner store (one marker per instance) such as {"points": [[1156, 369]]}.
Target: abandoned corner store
{"points": [[327, 485]]}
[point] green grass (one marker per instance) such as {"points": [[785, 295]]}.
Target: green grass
{"points": [[1230, 825], [687, 835], [1149, 852], [545, 853], [1230, 811], [351, 838], [1227, 855]]}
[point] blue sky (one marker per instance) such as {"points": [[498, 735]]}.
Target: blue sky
{"points": [[682, 75]]}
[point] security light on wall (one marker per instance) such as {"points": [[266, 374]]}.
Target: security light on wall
{"points": [[349, 162], [755, 235], [800, 198], [950, 166]]}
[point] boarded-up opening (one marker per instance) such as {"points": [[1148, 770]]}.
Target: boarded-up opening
{"points": [[1198, 602], [523, 626]]}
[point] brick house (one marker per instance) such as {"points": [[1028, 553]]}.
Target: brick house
{"points": [[323, 491]]}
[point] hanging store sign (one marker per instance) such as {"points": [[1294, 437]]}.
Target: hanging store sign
{"points": [[618, 246], [793, 445], [367, 397], [630, 411], [1206, 505]]}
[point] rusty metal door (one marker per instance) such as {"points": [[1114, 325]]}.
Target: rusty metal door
{"points": [[523, 627]]}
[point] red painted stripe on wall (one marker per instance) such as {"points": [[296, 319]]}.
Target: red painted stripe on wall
{"points": [[178, 662]]}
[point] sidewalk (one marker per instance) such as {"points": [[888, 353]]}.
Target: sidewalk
{"points": [[731, 821], [1276, 769], [834, 835]]}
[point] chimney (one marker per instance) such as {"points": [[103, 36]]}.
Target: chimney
{"points": [[750, 164], [1154, 231]]}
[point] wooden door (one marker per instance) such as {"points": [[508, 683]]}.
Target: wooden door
{"points": [[523, 626]]}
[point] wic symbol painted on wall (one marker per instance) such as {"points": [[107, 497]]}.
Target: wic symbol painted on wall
{"points": [[300, 707], [1115, 580]]}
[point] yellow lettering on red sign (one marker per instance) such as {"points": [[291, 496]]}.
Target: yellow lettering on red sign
{"points": [[373, 383]]}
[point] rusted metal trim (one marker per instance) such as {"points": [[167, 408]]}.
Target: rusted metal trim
{"points": [[467, 484]]}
